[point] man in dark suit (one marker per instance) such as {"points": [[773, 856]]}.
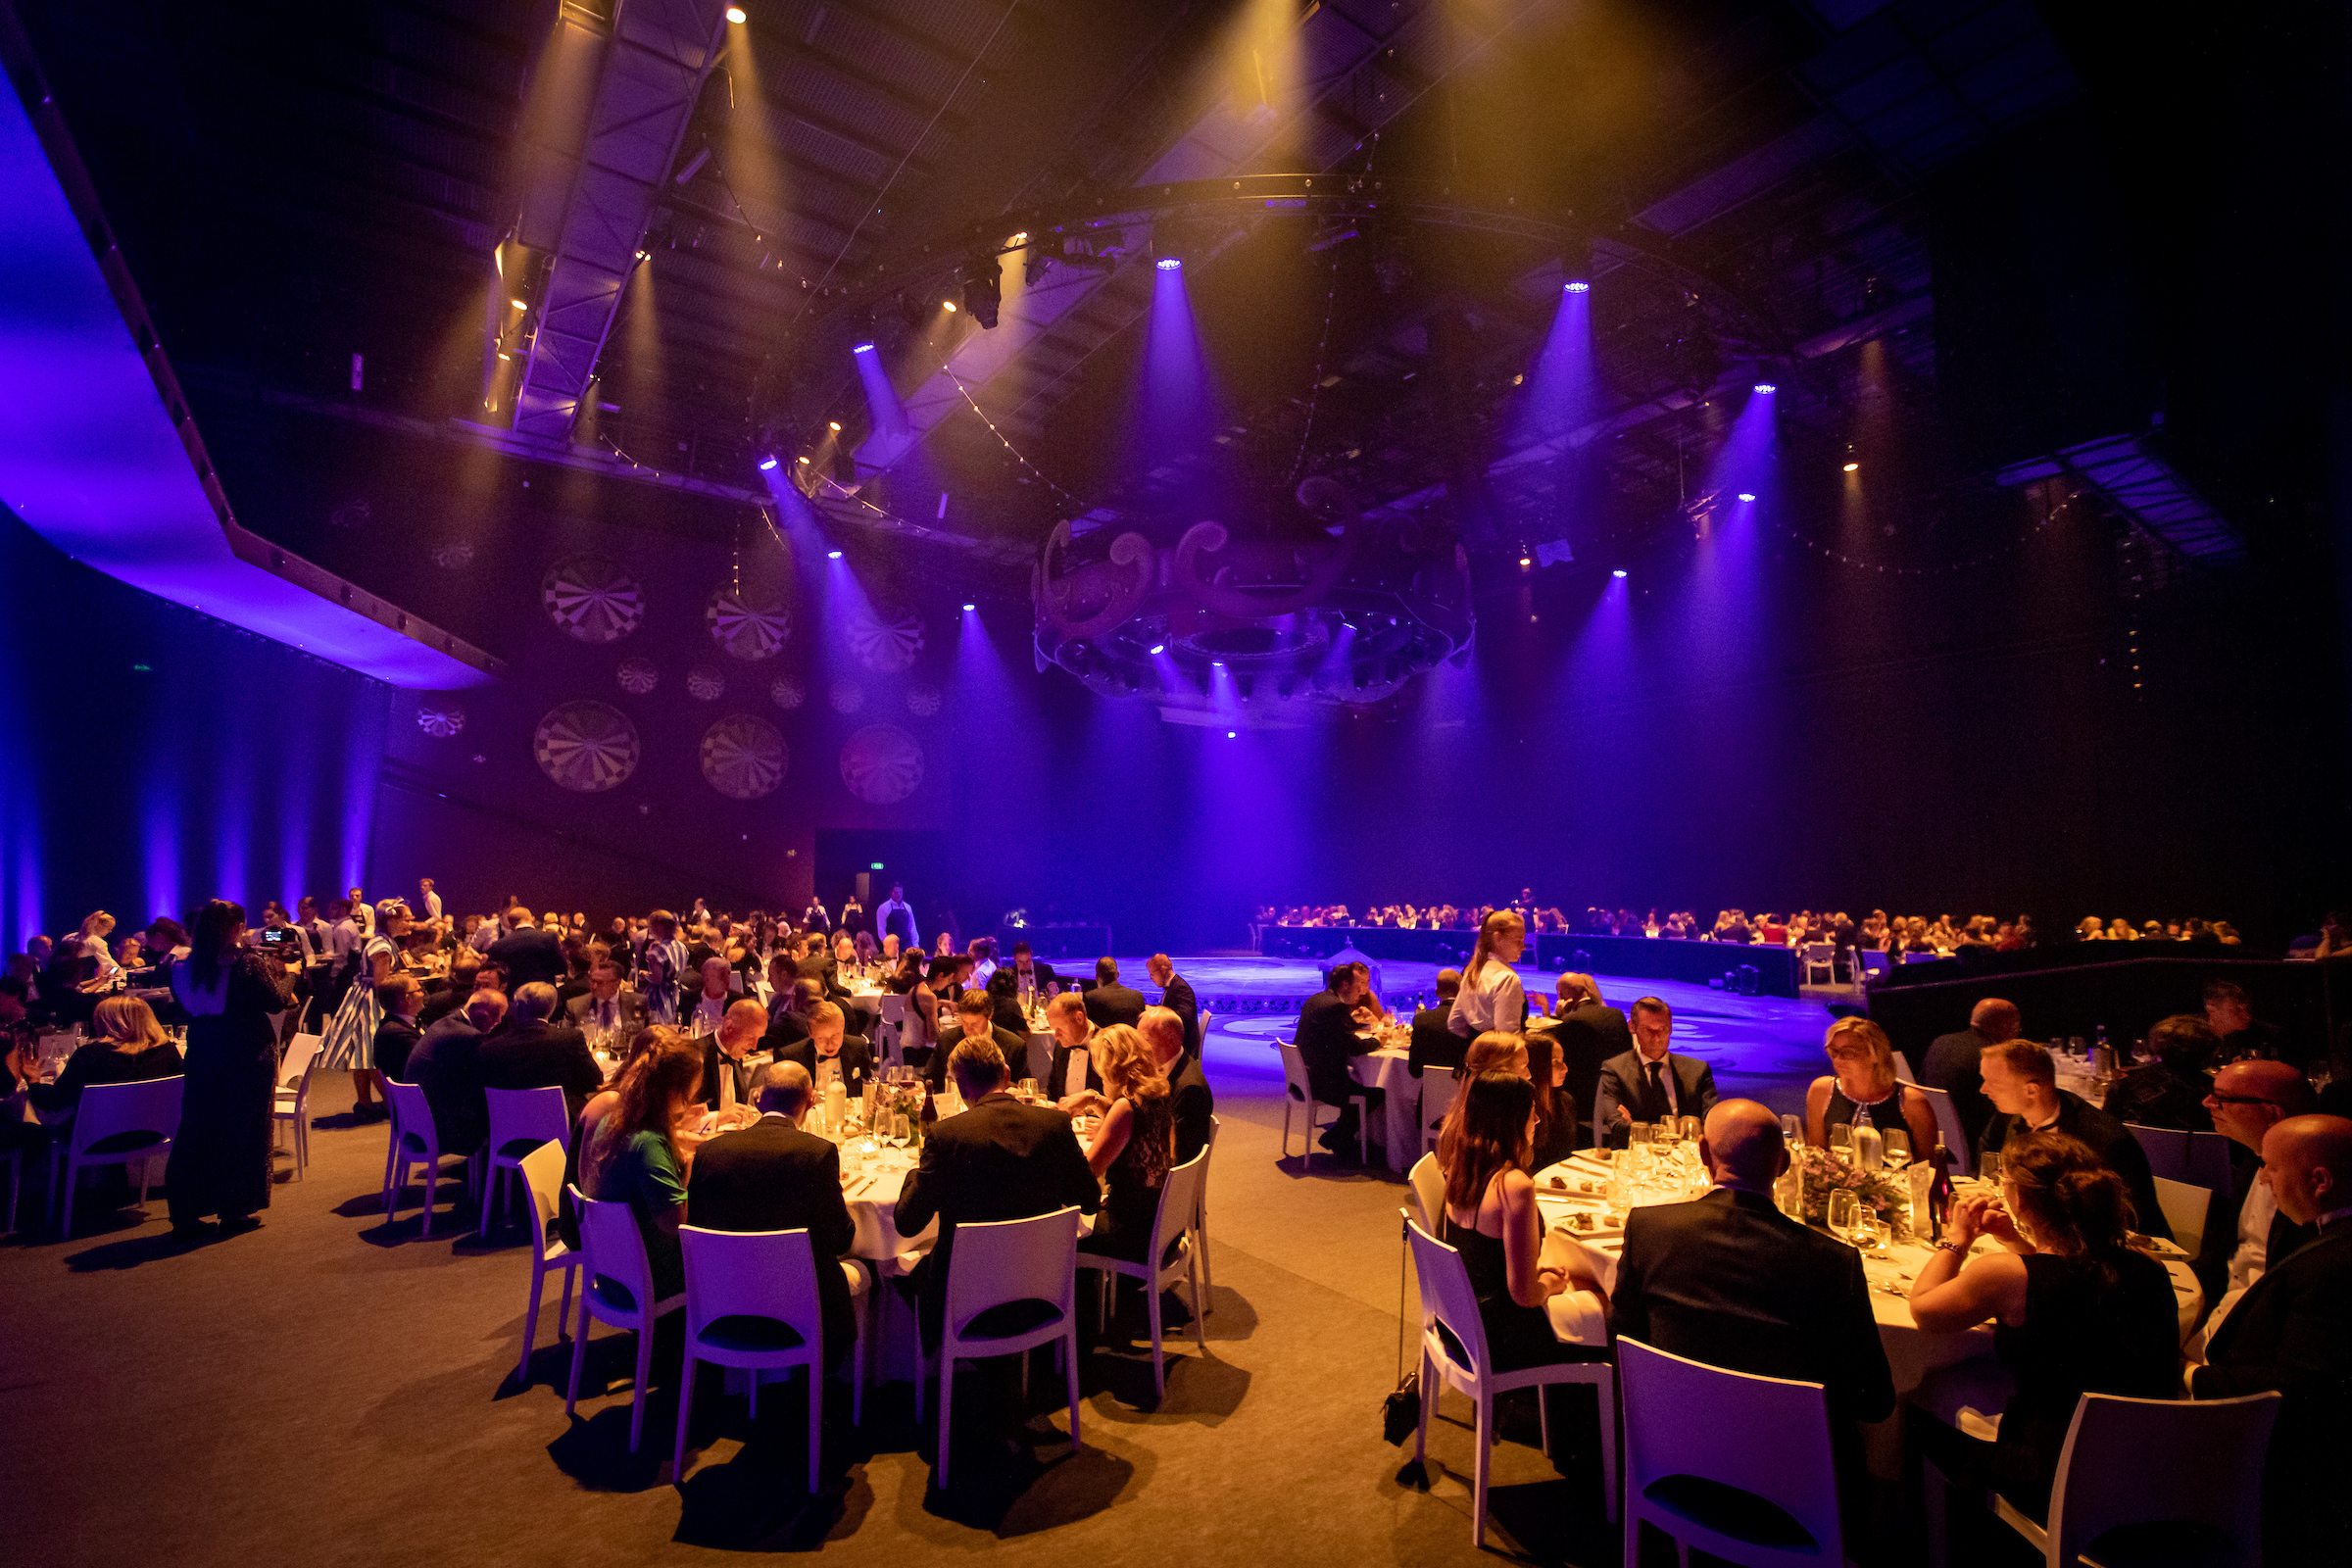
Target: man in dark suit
{"points": [[2292, 1331], [1434, 1045], [402, 999], [830, 1049], [1029, 974], [998, 1160], [1587, 1032], [727, 1051], [1652, 1081], [445, 997], [532, 1055], [527, 955], [1731, 1281], [1162, 1029], [2245, 1228], [1007, 1006], [1176, 995], [771, 1176], [788, 1015], [1108, 1001], [2021, 1082], [1327, 1041], [447, 1065], [816, 961], [608, 1008], [976, 1019], [1954, 1062], [1071, 1080]]}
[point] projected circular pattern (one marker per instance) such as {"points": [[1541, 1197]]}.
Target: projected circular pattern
{"points": [[881, 765], [884, 644], [592, 598], [847, 697], [745, 628], [706, 683], [639, 676], [440, 721], [742, 756], [454, 556], [923, 702], [586, 746], [786, 693]]}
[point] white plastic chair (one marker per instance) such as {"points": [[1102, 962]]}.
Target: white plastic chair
{"points": [[1437, 1088], [1200, 1226], [543, 1183], [1295, 1092], [1768, 1437], [1902, 1068], [617, 1283], [148, 1109], [2184, 1210], [1179, 1197], [999, 1262], [415, 1141], [520, 1120], [1955, 1136], [1425, 1194], [894, 1023], [1820, 957], [2202, 1158], [1447, 1301], [752, 1301], [292, 1102]]}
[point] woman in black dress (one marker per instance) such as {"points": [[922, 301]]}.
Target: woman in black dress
{"points": [[1134, 1144], [220, 1158]]}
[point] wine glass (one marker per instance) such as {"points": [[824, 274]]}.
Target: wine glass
{"points": [[1842, 1139], [1988, 1169], [1644, 1134], [1690, 1129], [1863, 1231], [1842, 1204], [1897, 1147]]}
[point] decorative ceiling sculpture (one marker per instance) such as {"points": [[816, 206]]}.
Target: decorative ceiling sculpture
{"points": [[592, 598], [587, 746], [847, 697], [705, 684], [455, 556], [742, 756], [786, 693], [882, 764], [884, 643], [924, 702], [440, 717], [639, 676], [1345, 613], [747, 627]]}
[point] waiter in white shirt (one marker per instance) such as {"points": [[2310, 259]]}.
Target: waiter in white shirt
{"points": [[895, 916], [431, 900], [363, 914]]}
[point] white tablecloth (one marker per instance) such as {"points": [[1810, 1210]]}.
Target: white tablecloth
{"points": [[1385, 1069]]}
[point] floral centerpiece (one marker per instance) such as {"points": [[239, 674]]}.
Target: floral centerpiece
{"points": [[1823, 1171]]}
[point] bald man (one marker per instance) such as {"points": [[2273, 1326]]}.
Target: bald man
{"points": [[1953, 1062], [2244, 1225], [728, 1049], [2292, 1331]]}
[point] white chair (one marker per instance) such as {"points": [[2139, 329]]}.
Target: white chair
{"points": [[893, 1021], [1902, 1068], [1871, 962], [1766, 1437], [616, 1284], [1167, 1258], [1448, 1305], [752, 1301], [1820, 959], [1200, 1227], [292, 1103], [1425, 1194], [144, 1117], [996, 1264], [520, 1120], [2184, 1210], [415, 1141], [1295, 1092], [1947, 1122], [543, 1183], [2200, 1159], [1437, 1088]]}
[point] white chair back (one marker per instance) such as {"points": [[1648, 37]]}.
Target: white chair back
{"points": [[1903, 1070], [543, 1179], [2201, 1158], [1437, 1088], [413, 1119], [1033, 1259], [1447, 1296], [1793, 1468], [294, 1067], [2184, 1210], [1294, 1072], [110, 1110], [1425, 1194], [2138, 1461], [616, 1252], [531, 1117], [756, 1274], [1179, 1201], [1947, 1122]]}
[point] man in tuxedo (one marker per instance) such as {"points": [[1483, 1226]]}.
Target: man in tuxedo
{"points": [[447, 1065], [1189, 1093], [2242, 1035], [1071, 1080], [830, 1047], [2021, 1082], [1029, 975], [532, 1055], [1176, 995], [396, 1034], [894, 916], [2245, 1228], [706, 1006], [1652, 1081], [976, 1019], [1327, 1041], [812, 960], [464, 969], [727, 1050], [1728, 1280], [1587, 1032], [998, 1160], [608, 1008], [771, 1176], [1954, 1062], [2292, 1331], [1434, 1045], [788, 1015], [1109, 1002]]}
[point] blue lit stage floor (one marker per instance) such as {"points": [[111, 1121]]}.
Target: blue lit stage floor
{"points": [[1761, 1048]]}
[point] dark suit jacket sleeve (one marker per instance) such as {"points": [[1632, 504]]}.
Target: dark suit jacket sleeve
{"points": [[582, 1076], [2308, 1352], [1628, 1309], [832, 1232], [1077, 1181], [1703, 1089], [918, 1195], [1611, 1093], [1866, 1392]]}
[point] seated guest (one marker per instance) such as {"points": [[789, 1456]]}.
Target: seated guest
{"points": [[533, 1055], [2168, 1089], [2292, 1331], [1134, 1144], [609, 1011], [400, 999], [126, 1045], [976, 1019], [600, 1106], [2021, 1082], [1434, 1045], [445, 1064], [1071, 1080], [444, 998], [1954, 1062], [1589, 1032], [640, 1155], [830, 1051], [997, 1159], [1556, 1132], [1176, 995], [1490, 997], [788, 1016], [2245, 1228], [1652, 1081], [771, 1176], [726, 1051], [1861, 1090], [1005, 1006], [1110, 1001], [1162, 1029], [1492, 1052], [709, 1004], [2241, 1033], [1030, 977], [2078, 1272], [1327, 1042]]}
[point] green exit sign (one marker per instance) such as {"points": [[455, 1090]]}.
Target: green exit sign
{"points": [[876, 867]]}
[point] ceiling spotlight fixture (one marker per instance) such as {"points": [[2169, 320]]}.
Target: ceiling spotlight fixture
{"points": [[1579, 288], [968, 609], [863, 348], [518, 304], [1233, 735], [1171, 264], [983, 289], [1159, 647], [1619, 573], [641, 256], [767, 463], [832, 554], [1852, 466], [1527, 561], [1766, 386], [1747, 495], [833, 425], [947, 305], [735, 15], [1021, 238], [803, 462]]}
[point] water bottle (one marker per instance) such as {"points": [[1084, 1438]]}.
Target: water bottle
{"points": [[2102, 1054], [1869, 1148], [1789, 1193]]}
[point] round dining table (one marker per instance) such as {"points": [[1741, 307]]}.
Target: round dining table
{"points": [[1388, 1069]]}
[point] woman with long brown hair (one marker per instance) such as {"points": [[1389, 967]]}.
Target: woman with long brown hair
{"points": [[638, 1155], [1492, 1052], [1492, 997], [1134, 1144], [1554, 1137], [1492, 1220], [221, 1162]]}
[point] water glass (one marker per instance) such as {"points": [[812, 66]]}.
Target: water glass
{"points": [[1690, 1129], [1988, 1169], [1027, 1089], [1842, 1204], [1899, 1148], [1841, 1138], [1644, 1134]]}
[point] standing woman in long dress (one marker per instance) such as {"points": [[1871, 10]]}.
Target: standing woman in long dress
{"points": [[220, 1161], [350, 1040]]}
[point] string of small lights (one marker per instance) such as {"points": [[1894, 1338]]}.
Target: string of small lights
{"points": [[1005, 442], [2048, 516]]}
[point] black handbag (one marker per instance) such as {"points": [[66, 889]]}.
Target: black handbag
{"points": [[1401, 1411]]}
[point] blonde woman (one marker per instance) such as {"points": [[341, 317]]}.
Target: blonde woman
{"points": [[1134, 1144], [96, 950], [126, 1045], [1861, 1089], [1490, 997]]}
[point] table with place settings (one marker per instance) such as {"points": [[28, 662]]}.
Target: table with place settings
{"points": [[1388, 1070]]}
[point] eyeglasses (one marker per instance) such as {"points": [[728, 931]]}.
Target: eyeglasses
{"points": [[2215, 1097]]}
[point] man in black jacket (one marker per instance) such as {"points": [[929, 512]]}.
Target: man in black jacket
{"points": [[1109, 1002], [1588, 1033], [402, 999], [976, 1019], [1954, 1062], [531, 1054], [727, 1051], [1071, 1080], [1327, 1041], [1176, 995], [1189, 1093], [1029, 974], [2245, 1228], [1434, 1044], [447, 1065], [771, 1176], [527, 955], [2021, 1082], [1652, 1081], [998, 1160], [830, 1045]]}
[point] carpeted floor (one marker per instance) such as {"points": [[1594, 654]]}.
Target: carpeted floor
{"points": [[331, 1389]]}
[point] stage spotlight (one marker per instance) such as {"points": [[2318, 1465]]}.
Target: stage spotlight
{"points": [[518, 304], [1747, 495], [1619, 573], [1766, 386], [1852, 468], [1171, 264], [968, 609], [735, 15], [803, 462], [1233, 735], [863, 348], [983, 289], [948, 305], [832, 554], [1579, 289], [833, 425], [1526, 560], [1157, 649], [765, 463]]}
